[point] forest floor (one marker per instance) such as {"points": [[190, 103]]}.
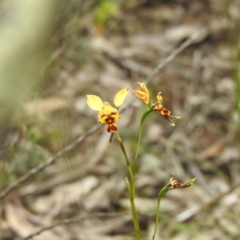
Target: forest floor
{"points": [[85, 183]]}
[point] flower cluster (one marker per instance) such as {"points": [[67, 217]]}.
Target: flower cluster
{"points": [[157, 107], [109, 115]]}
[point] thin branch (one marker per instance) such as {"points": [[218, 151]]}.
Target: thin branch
{"points": [[72, 220], [49, 161], [199, 35], [72, 145]]}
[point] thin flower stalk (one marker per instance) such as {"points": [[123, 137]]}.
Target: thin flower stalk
{"points": [[131, 188], [173, 184], [109, 115], [134, 165], [161, 193], [124, 154]]}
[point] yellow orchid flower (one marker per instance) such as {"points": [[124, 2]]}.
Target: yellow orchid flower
{"points": [[106, 113], [144, 94], [156, 107]]}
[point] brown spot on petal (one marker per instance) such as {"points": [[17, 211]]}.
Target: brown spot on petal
{"points": [[109, 128], [112, 127], [109, 120], [165, 112]]}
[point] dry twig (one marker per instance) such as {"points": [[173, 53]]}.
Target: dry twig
{"points": [[199, 35], [49, 161], [209, 206], [72, 220]]}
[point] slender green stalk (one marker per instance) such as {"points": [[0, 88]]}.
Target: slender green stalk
{"points": [[131, 189], [125, 155], [234, 46], [131, 170], [237, 81], [161, 193], [173, 184], [237, 66], [134, 165], [135, 218]]}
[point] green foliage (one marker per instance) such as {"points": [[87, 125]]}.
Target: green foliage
{"points": [[104, 11], [30, 151], [19, 160], [35, 135]]}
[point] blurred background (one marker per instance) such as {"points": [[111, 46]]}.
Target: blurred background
{"points": [[53, 54]]}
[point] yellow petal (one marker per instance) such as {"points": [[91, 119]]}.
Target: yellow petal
{"points": [[94, 102], [143, 87], [157, 107], [107, 109], [159, 97], [142, 95], [120, 97]]}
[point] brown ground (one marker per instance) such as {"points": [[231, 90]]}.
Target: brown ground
{"points": [[91, 57]]}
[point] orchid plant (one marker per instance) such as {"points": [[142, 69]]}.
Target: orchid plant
{"points": [[109, 115]]}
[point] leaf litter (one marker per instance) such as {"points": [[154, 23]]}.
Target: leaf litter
{"points": [[197, 85]]}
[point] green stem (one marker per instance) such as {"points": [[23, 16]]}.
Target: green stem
{"points": [[135, 218], [234, 46], [125, 154], [237, 70], [131, 189], [134, 165], [161, 193], [133, 208]]}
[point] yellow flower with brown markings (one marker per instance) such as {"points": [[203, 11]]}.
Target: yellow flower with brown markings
{"points": [[106, 113], [157, 107], [143, 94]]}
